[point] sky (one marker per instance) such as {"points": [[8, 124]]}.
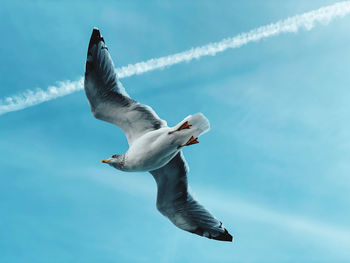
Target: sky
{"points": [[274, 168]]}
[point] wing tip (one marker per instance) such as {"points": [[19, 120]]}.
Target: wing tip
{"points": [[225, 236], [96, 37], [220, 236]]}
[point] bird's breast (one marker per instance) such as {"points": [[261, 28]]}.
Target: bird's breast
{"points": [[151, 151]]}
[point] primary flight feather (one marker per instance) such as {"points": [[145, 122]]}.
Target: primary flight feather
{"points": [[153, 146]]}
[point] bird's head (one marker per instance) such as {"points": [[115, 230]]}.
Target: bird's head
{"points": [[116, 160]]}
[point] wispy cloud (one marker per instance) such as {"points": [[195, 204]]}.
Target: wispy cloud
{"points": [[310, 227], [233, 207], [292, 24], [31, 98]]}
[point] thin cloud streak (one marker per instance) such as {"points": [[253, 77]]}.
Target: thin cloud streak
{"points": [[234, 207], [311, 228], [30, 98], [305, 21]]}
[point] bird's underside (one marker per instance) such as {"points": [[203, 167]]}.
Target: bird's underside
{"points": [[109, 102]]}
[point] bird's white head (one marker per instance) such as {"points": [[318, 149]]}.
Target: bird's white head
{"points": [[116, 160]]}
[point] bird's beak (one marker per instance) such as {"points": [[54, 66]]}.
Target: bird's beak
{"points": [[105, 161]]}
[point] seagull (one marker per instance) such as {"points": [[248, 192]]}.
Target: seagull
{"points": [[153, 146]]}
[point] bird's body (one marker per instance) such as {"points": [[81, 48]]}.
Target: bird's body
{"points": [[155, 149], [153, 146], [151, 151]]}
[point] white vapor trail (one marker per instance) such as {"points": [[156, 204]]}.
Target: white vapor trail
{"points": [[306, 21]]}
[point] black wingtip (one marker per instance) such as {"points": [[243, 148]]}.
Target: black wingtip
{"points": [[95, 37], [226, 236]]}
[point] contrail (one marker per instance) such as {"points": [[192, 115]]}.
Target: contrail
{"points": [[305, 21]]}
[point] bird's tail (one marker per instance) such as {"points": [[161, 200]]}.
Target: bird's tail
{"points": [[198, 124]]}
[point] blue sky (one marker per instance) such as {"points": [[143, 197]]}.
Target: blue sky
{"points": [[274, 167]]}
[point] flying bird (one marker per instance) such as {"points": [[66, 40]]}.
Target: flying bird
{"points": [[153, 146]]}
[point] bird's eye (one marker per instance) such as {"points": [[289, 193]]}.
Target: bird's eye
{"points": [[114, 155]]}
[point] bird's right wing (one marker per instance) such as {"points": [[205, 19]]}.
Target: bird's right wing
{"points": [[175, 202], [107, 97]]}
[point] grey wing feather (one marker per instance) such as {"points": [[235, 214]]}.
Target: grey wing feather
{"points": [[175, 202], [107, 97]]}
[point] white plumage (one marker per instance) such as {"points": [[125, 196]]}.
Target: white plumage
{"points": [[153, 146], [155, 149]]}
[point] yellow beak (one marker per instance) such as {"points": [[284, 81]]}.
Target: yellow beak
{"points": [[105, 161]]}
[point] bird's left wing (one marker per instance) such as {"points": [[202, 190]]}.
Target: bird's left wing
{"points": [[107, 97], [175, 202]]}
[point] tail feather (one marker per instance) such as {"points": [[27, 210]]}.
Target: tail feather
{"points": [[199, 124]]}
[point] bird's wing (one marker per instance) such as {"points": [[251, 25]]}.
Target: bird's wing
{"points": [[175, 202], [107, 97]]}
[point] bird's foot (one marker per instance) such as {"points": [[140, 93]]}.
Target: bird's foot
{"points": [[191, 141], [185, 125]]}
